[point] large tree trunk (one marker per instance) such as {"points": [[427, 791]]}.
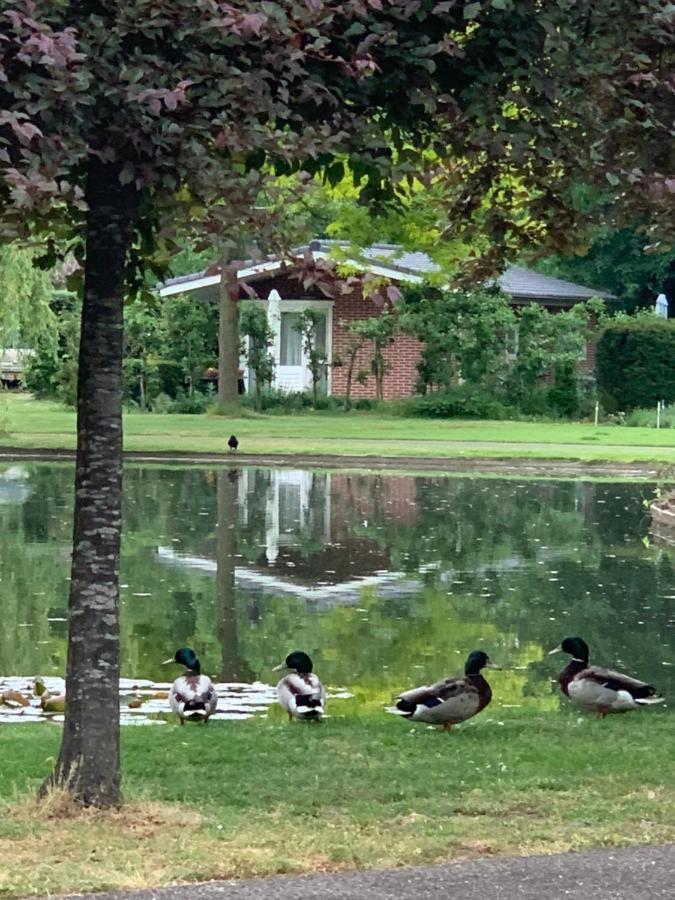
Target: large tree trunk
{"points": [[228, 337], [89, 761], [234, 667]]}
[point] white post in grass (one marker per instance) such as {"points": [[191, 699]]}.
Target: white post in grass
{"points": [[658, 413], [597, 412]]}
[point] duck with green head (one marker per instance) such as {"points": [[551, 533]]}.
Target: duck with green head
{"points": [[300, 691], [598, 689], [192, 696], [451, 700]]}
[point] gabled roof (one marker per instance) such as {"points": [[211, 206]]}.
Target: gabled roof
{"points": [[391, 261]]}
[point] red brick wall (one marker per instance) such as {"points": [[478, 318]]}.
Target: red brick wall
{"points": [[372, 498], [402, 355]]}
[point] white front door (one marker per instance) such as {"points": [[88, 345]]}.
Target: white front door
{"points": [[292, 371]]}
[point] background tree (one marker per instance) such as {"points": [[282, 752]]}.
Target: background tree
{"points": [[256, 346], [616, 260], [378, 333], [549, 342], [26, 317], [309, 325], [356, 341], [52, 371], [187, 328], [142, 352], [465, 334]]}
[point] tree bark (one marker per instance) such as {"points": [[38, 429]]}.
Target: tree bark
{"points": [[228, 337], [234, 667], [88, 765]]}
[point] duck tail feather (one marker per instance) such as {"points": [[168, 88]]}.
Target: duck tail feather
{"points": [[309, 712], [649, 701]]}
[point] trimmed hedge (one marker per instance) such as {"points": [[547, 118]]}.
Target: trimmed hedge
{"points": [[635, 364]]}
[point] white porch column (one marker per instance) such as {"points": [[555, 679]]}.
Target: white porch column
{"points": [[274, 321]]}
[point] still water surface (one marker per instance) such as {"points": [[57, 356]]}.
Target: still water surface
{"points": [[387, 581]]}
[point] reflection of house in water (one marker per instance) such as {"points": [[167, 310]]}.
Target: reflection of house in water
{"points": [[301, 532], [14, 485]]}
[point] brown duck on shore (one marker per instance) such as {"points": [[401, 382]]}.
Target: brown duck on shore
{"points": [[451, 700]]}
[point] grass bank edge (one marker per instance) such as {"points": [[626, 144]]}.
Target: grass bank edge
{"points": [[363, 790]]}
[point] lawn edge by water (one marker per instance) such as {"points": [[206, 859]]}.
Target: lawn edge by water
{"points": [[361, 439], [525, 466]]}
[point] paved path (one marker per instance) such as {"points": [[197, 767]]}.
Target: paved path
{"points": [[637, 873]]}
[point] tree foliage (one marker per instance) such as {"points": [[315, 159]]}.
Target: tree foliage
{"points": [[256, 346], [164, 90], [309, 324], [615, 260], [464, 334], [376, 332], [26, 317], [52, 370], [548, 342], [636, 362], [356, 341], [477, 339]]}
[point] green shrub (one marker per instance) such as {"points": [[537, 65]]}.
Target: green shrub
{"points": [[563, 395], [278, 401], [646, 418], [162, 403], [462, 402], [533, 402], [635, 363], [191, 405]]}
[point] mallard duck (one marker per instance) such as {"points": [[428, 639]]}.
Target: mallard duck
{"points": [[600, 690], [300, 692], [192, 695], [49, 702], [451, 700]]}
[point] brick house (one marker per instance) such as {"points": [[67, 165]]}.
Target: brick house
{"points": [[286, 298]]}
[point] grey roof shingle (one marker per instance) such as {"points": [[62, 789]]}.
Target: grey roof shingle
{"points": [[519, 283]]}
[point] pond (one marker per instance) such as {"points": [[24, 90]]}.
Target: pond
{"points": [[386, 580]]}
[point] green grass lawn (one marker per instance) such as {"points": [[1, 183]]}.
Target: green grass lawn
{"points": [[27, 423], [360, 790]]}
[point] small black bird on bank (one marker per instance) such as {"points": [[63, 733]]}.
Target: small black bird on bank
{"points": [[233, 443]]}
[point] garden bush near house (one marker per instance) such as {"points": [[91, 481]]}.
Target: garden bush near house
{"points": [[646, 418], [310, 323], [461, 402], [282, 402], [192, 403], [257, 339], [563, 395], [635, 363], [465, 335]]}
